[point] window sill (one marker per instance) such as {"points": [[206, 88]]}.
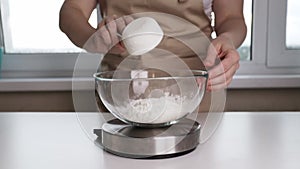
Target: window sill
{"points": [[265, 81], [44, 84], [65, 84]]}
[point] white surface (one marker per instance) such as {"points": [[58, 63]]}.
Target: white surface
{"points": [[243, 140]]}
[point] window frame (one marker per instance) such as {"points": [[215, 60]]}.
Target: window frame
{"points": [[277, 35], [252, 74], [257, 73]]}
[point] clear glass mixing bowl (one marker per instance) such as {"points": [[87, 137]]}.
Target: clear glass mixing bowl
{"points": [[151, 98]]}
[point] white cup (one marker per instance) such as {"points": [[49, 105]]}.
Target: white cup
{"points": [[142, 35]]}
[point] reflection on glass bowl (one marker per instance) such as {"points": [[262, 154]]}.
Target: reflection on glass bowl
{"points": [[151, 98]]}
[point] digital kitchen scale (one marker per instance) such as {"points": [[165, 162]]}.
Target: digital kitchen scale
{"points": [[129, 141]]}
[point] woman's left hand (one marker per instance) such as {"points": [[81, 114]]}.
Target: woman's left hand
{"points": [[222, 61]]}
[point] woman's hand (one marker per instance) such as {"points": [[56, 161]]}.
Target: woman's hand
{"points": [[107, 37], [222, 61], [223, 58]]}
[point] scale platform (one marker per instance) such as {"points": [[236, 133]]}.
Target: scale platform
{"points": [[128, 141]]}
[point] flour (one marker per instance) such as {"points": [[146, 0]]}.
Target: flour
{"points": [[155, 110]]}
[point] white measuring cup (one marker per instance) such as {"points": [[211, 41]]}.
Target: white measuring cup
{"points": [[142, 35]]}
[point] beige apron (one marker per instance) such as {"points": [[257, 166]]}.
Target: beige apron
{"points": [[184, 22]]}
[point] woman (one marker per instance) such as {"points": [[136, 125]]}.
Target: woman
{"points": [[229, 26]]}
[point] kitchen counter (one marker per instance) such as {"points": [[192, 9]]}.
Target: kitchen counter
{"points": [[248, 140]]}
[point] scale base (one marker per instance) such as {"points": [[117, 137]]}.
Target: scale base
{"points": [[128, 141]]}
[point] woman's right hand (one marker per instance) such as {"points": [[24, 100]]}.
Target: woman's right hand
{"points": [[107, 37]]}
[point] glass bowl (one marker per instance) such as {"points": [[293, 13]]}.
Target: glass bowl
{"points": [[151, 98]]}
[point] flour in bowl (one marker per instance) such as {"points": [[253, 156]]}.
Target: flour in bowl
{"points": [[155, 110]]}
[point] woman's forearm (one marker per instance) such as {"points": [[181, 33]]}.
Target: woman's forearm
{"points": [[74, 23], [230, 21], [234, 29]]}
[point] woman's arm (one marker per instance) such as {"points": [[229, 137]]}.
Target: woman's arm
{"points": [[230, 20], [73, 20], [223, 58]]}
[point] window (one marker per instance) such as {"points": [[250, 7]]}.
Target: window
{"points": [[32, 27], [293, 25], [33, 44]]}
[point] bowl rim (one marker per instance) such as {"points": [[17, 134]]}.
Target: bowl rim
{"points": [[202, 73]]}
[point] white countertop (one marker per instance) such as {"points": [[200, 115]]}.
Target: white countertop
{"points": [[248, 140]]}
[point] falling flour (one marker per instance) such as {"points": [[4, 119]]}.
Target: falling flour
{"points": [[155, 110]]}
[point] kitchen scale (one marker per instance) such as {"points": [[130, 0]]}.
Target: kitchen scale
{"points": [[130, 141]]}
